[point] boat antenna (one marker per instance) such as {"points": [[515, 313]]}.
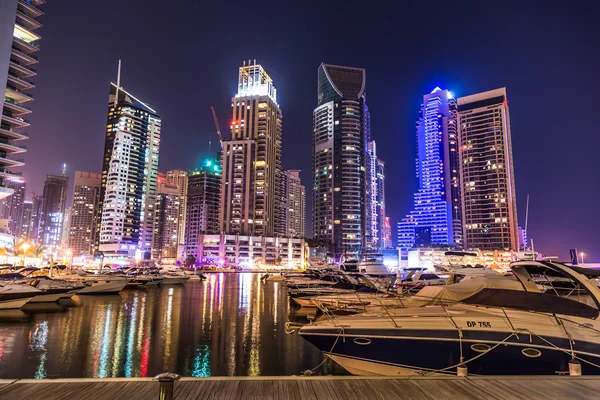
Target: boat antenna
{"points": [[527, 215]]}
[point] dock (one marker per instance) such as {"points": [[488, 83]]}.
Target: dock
{"points": [[320, 387]]}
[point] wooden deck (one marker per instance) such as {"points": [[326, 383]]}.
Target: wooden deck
{"points": [[327, 388]]}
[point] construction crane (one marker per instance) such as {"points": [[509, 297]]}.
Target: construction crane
{"points": [[217, 125]]}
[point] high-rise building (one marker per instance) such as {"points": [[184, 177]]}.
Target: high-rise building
{"points": [[384, 240], [26, 221], [371, 215], [129, 173], [489, 203], [180, 178], [19, 25], [341, 125], [203, 201], [293, 199], [52, 214], [11, 207], [251, 159], [167, 213], [84, 213], [387, 234], [436, 215], [35, 231]]}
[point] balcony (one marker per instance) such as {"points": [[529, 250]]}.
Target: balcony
{"points": [[21, 70], [16, 95], [11, 162], [11, 148], [15, 109], [26, 21], [12, 121], [5, 130], [22, 57], [24, 46], [19, 83], [27, 8]]}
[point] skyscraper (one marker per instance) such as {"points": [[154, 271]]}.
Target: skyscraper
{"points": [[179, 178], [26, 222], [488, 184], [11, 207], [84, 213], [251, 159], [19, 22], [52, 213], [384, 240], [129, 172], [293, 199], [371, 214], [35, 230], [203, 201], [167, 213], [436, 215], [341, 125]]}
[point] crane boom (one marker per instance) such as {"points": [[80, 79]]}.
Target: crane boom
{"points": [[217, 125]]}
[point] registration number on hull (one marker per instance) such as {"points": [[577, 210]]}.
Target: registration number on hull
{"points": [[479, 324]]}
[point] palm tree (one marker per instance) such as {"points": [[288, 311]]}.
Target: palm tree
{"points": [[37, 250]]}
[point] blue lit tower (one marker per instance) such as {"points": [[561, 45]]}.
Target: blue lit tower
{"points": [[436, 216], [341, 131]]}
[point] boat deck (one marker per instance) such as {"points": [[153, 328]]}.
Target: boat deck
{"points": [[328, 388]]}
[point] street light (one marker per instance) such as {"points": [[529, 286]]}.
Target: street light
{"points": [[582, 254], [24, 247]]}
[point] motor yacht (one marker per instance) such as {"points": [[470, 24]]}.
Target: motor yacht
{"points": [[98, 283], [14, 295], [494, 331]]}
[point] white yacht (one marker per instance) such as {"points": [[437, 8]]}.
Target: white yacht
{"points": [[494, 331], [98, 284], [14, 295], [372, 264]]}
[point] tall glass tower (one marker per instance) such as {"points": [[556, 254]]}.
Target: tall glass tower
{"points": [[129, 172], [341, 131], [487, 173], [436, 215]]}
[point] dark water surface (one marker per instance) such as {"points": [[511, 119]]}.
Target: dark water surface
{"points": [[230, 324]]}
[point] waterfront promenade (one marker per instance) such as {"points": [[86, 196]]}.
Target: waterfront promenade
{"points": [[326, 388]]}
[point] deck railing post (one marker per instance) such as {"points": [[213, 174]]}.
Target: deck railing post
{"points": [[166, 383]]}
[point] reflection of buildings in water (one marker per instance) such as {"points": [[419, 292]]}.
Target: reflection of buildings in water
{"points": [[169, 333], [38, 338]]}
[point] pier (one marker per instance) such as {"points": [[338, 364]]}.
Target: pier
{"points": [[321, 387]]}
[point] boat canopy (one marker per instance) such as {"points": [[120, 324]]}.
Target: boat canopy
{"points": [[529, 301], [466, 288]]}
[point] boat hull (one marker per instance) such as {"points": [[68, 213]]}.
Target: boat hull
{"points": [[397, 352], [104, 288], [46, 298], [174, 281], [13, 303]]}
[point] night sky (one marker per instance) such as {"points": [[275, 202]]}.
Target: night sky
{"points": [[181, 57]]}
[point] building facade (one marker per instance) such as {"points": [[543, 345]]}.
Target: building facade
{"points": [[341, 125], [179, 178], [11, 207], [84, 213], [35, 233], [203, 202], [436, 216], [129, 173], [19, 27], [251, 159], [291, 221], [167, 213], [251, 252], [26, 221], [52, 213], [489, 203]]}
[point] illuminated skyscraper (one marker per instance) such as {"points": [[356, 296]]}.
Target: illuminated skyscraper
{"points": [[436, 216], [486, 168], [341, 125], [26, 222], [179, 178], [35, 232], [19, 23], [251, 159], [129, 172], [383, 237], [11, 207], [204, 199], [293, 199], [54, 200], [167, 213], [84, 213]]}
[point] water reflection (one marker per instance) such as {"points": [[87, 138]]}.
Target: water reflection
{"points": [[230, 324]]}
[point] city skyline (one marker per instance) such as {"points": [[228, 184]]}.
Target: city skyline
{"points": [[393, 124]]}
